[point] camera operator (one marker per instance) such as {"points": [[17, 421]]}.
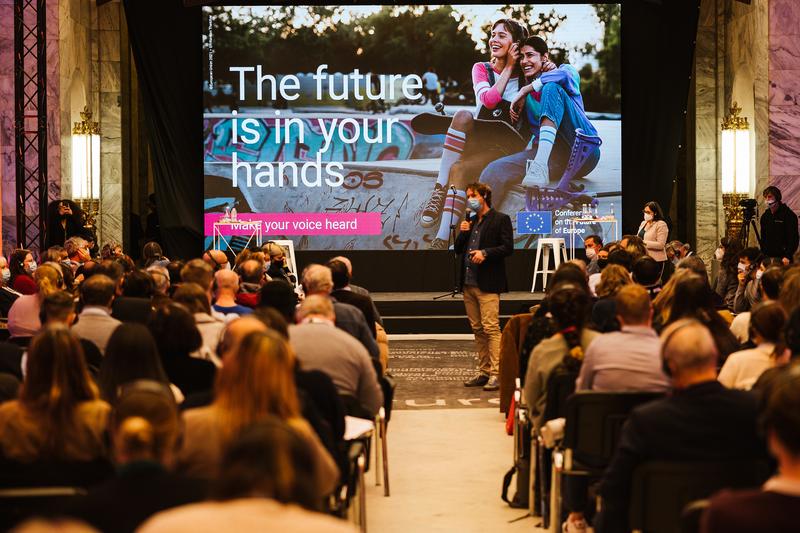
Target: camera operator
{"points": [[779, 235]]}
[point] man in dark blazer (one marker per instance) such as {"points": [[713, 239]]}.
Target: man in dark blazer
{"points": [[700, 421], [484, 241]]}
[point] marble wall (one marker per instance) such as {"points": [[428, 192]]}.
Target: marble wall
{"points": [[784, 99], [731, 65]]}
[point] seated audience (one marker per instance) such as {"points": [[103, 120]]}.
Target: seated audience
{"points": [[650, 274], [592, 245], [264, 485], [700, 421], [612, 279], [770, 287], [138, 284], [217, 260], [95, 322], [727, 278], [279, 295], [131, 355], [161, 284], [255, 382], [7, 295], [59, 308], [177, 336], [772, 508], [320, 345], [196, 300], [626, 360], [21, 267], [59, 415], [153, 255], [747, 289], [341, 293], [227, 287], [662, 303], [78, 251], [790, 345], [253, 276], [278, 268], [23, 317], [356, 288], [742, 369], [126, 307], [568, 304], [789, 296], [145, 428]]}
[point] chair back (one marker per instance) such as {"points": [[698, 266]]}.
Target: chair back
{"points": [[560, 386], [661, 490], [19, 504], [594, 424], [15, 474]]}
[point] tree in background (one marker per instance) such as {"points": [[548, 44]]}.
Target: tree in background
{"points": [[602, 88]]}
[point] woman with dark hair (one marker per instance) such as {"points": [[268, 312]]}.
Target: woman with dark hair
{"points": [[604, 310], [22, 265], [145, 428], [495, 82], [693, 298], [59, 414], [743, 368], [64, 220], [727, 278], [152, 254], [138, 284], [654, 231], [568, 305], [177, 336], [131, 355], [257, 381], [265, 484]]}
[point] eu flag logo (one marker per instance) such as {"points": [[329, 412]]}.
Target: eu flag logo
{"points": [[534, 222]]}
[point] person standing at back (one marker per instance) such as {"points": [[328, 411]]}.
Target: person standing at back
{"points": [[779, 234]]}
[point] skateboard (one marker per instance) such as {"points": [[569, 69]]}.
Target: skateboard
{"points": [[493, 134]]}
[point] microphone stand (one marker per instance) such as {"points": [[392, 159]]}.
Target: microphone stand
{"points": [[451, 239]]}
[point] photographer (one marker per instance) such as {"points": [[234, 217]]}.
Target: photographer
{"points": [[749, 280], [779, 236]]}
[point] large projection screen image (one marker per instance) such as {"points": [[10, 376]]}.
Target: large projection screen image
{"points": [[360, 127]]}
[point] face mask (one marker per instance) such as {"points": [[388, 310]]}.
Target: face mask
{"points": [[602, 263], [742, 267], [6, 275], [676, 260], [591, 253], [759, 273], [474, 204], [266, 266], [31, 267], [770, 203], [648, 217], [719, 254]]}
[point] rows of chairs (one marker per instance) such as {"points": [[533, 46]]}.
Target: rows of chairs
{"points": [[666, 497]]}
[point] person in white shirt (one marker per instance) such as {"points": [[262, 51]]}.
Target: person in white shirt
{"points": [[743, 368]]}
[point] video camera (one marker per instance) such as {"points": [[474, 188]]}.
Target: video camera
{"points": [[750, 208]]}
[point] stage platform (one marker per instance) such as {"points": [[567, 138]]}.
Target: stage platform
{"points": [[418, 312]]}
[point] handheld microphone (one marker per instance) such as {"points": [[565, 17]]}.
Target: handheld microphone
{"points": [[439, 107]]}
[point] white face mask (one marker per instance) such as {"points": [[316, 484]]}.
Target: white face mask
{"points": [[648, 217], [591, 253], [742, 267], [719, 254], [31, 267], [759, 273]]}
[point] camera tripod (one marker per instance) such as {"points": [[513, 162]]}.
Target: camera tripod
{"points": [[744, 235]]}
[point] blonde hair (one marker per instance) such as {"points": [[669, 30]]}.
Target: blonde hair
{"points": [[145, 421], [612, 279], [662, 304], [48, 279]]}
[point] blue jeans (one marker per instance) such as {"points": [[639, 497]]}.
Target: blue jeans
{"points": [[508, 171]]}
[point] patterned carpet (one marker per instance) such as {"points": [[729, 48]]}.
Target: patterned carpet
{"points": [[430, 375]]}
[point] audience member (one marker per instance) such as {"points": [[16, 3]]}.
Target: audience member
{"points": [[772, 508], [568, 305], [278, 269], [340, 293], [21, 267], [161, 285], [747, 289], [59, 308], [78, 251], [177, 336], [252, 276], [650, 274], [23, 317], [592, 244], [153, 255], [743, 368], [227, 287], [138, 284], [727, 278], [195, 299], [110, 250], [700, 421], [612, 279], [124, 308], [356, 288], [321, 346], [131, 355], [256, 381], [95, 322], [265, 484], [771, 288], [7, 295], [317, 280], [58, 416], [662, 303], [790, 290], [279, 295], [626, 360], [790, 346], [145, 428], [217, 260]]}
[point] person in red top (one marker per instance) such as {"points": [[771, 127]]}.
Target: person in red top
{"points": [[21, 264]]}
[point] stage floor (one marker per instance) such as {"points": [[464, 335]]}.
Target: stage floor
{"points": [[422, 296]]}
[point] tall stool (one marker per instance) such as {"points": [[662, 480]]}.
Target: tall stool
{"points": [[542, 264]]}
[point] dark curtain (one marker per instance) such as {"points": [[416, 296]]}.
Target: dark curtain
{"points": [[657, 54], [166, 42]]}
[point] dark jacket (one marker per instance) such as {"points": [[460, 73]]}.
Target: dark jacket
{"points": [[350, 319], [751, 510], [128, 309], [779, 235], [705, 422], [497, 243], [363, 303], [189, 374]]}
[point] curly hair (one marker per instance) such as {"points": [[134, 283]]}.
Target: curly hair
{"points": [[612, 279]]}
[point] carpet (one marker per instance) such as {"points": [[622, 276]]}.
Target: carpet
{"points": [[430, 374]]}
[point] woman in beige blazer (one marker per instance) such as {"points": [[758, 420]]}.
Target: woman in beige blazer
{"points": [[654, 231]]}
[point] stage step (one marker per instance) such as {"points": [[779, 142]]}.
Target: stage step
{"points": [[403, 325]]}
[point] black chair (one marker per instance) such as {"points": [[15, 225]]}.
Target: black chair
{"points": [[661, 490], [84, 474], [19, 504]]}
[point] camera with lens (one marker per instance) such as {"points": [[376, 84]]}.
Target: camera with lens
{"points": [[750, 207]]}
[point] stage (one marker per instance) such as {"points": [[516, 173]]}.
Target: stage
{"points": [[419, 313]]}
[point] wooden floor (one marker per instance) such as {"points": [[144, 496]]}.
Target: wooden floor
{"points": [[421, 296]]}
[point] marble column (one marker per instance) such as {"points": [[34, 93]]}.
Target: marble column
{"points": [[784, 99]]}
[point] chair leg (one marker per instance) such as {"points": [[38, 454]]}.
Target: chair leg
{"points": [[376, 440], [555, 498], [362, 495], [385, 453]]}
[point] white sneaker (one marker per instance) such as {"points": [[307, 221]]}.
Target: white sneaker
{"points": [[536, 175], [574, 526]]}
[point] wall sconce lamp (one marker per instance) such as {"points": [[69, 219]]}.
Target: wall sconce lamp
{"points": [[86, 166], [735, 169]]}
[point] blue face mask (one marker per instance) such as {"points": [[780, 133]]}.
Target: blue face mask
{"points": [[474, 204]]}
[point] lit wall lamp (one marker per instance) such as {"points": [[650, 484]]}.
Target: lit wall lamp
{"points": [[86, 166], [735, 169]]}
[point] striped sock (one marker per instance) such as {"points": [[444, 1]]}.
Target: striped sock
{"points": [[547, 137], [453, 146], [454, 206]]}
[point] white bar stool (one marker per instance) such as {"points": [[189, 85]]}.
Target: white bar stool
{"points": [[542, 264]]}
